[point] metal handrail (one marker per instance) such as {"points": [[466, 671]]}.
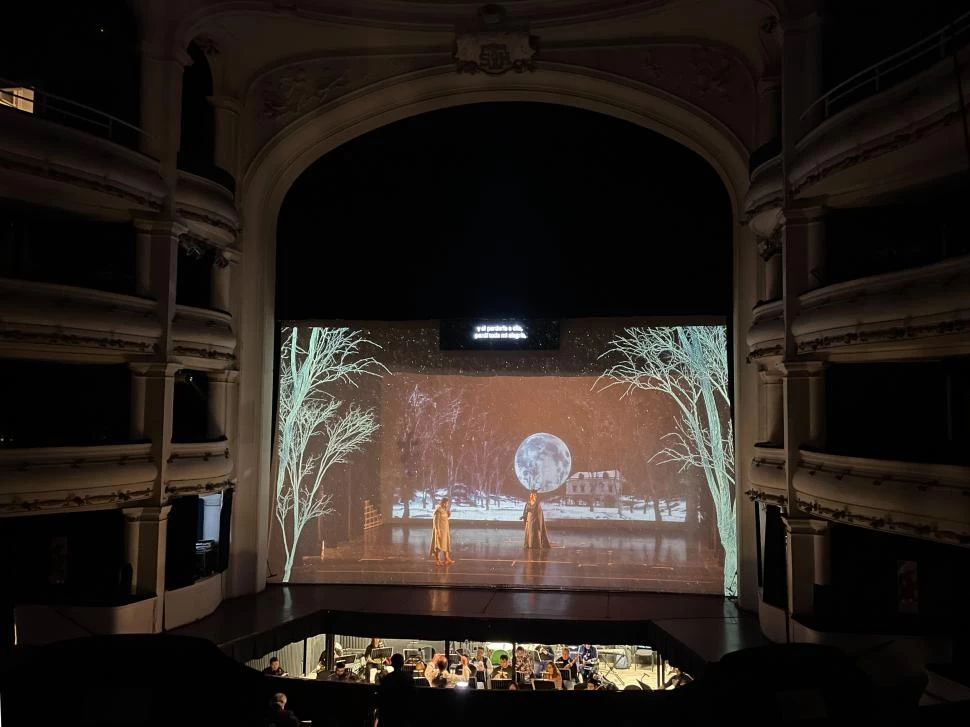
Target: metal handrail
{"points": [[67, 108], [934, 42]]}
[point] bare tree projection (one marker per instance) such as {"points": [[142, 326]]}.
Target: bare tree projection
{"points": [[689, 364], [490, 457], [414, 443], [315, 431], [450, 439]]}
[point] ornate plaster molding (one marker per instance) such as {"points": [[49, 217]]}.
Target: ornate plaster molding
{"points": [[928, 501], [495, 52], [74, 501], [769, 498]]}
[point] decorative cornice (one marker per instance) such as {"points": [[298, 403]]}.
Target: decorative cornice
{"points": [[208, 353], [766, 352], [73, 501], [887, 523], [195, 488], [67, 339], [210, 220], [874, 150], [769, 498], [205, 456], [881, 335], [77, 180]]}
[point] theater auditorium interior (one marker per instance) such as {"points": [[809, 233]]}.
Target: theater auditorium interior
{"points": [[361, 359]]}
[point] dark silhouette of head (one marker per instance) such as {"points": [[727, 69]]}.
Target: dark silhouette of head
{"points": [[397, 661]]}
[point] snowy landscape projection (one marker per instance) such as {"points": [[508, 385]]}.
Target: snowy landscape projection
{"points": [[624, 435]]}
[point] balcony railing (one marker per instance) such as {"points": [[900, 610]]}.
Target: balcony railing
{"points": [[26, 99], [892, 70]]}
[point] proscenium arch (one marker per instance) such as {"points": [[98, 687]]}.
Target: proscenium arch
{"points": [[288, 154]]}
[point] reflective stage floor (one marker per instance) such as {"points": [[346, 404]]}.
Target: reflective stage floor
{"points": [[599, 559]]}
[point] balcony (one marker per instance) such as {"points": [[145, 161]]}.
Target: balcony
{"points": [[198, 468], [65, 112], [203, 337], [894, 69], [44, 155], [922, 500], [897, 122], [916, 312], [74, 478], [766, 473], [94, 324], [766, 337], [53, 141], [207, 208], [84, 324]]}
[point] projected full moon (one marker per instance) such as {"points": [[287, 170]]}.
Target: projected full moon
{"points": [[542, 462]]}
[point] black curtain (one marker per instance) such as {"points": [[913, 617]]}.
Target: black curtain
{"points": [[183, 528], [775, 568], [225, 524]]}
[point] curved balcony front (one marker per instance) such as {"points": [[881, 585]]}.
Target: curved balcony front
{"points": [[48, 479], [923, 500], [207, 208], [198, 468], [766, 474], [907, 132], [910, 132], [203, 338], [912, 313], [766, 337], [47, 158], [45, 317]]}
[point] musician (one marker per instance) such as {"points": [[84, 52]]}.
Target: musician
{"points": [[588, 657], [373, 665], [504, 669], [552, 673], [677, 679], [523, 663], [567, 667], [274, 669], [481, 666], [343, 674], [437, 671]]}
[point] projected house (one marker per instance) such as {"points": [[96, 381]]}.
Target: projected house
{"points": [[594, 488]]}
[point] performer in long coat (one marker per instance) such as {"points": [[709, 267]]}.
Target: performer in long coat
{"points": [[535, 524], [441, 533]]}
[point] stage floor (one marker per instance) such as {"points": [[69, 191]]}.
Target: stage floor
{"points": [[666, 562]]}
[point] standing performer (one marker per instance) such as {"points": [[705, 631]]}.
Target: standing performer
{"points": [[441, 533], [535, 524]]}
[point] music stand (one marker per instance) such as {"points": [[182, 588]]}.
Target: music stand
{"points": [[501, 684], [413, 654], [544, 685], [610, 658], [382, 653], [420, 681]]}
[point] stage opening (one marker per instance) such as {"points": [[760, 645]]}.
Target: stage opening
{"points": [[574, 454]]}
